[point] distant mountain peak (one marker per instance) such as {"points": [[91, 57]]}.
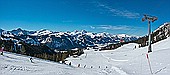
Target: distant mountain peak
{"points": [[123, 35], [83, 31], [1, 29], [19, 29]]}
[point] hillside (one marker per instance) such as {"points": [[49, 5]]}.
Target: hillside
{"points": [[127, 60], [15, 64], [123, 61]]}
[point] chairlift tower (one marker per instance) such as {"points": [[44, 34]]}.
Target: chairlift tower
{"points": [[149, 19]]}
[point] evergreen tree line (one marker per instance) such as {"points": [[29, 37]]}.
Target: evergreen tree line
{"points": [[40, 51], [158, 35]]}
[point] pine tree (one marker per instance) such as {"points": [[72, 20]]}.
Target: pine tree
{"points": [[23, 50]]}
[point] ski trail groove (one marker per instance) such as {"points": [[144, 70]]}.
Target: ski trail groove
{"points": [[121, 72]]}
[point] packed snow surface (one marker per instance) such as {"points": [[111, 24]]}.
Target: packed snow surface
{"points": [[126, 60]]}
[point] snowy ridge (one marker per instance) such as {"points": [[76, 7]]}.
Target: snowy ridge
{"points": [[66, 40], [163, 25]]}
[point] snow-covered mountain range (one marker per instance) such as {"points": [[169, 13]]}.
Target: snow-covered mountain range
{"points": [[122, 61], [64, 40]]}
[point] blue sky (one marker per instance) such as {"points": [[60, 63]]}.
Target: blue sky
{"points": [[112, 16]]}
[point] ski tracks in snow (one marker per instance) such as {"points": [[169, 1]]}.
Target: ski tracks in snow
{"points": [[121, 72], [112, 59]]}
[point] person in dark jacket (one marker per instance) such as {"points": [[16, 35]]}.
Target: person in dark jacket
{"points": [[31, 60]]}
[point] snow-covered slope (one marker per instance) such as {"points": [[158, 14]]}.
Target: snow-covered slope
{"points": [[14, 64], [127, 60]]}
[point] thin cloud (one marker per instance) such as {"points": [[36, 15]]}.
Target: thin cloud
{"points": [[92, 27], [117, 12], [118, 27], [111, 27]]}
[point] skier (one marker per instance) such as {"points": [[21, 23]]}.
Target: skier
{"points": [[84, 66], [134, 48], [69, 64], [1, 50], [31, 60], [78, 65]]}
